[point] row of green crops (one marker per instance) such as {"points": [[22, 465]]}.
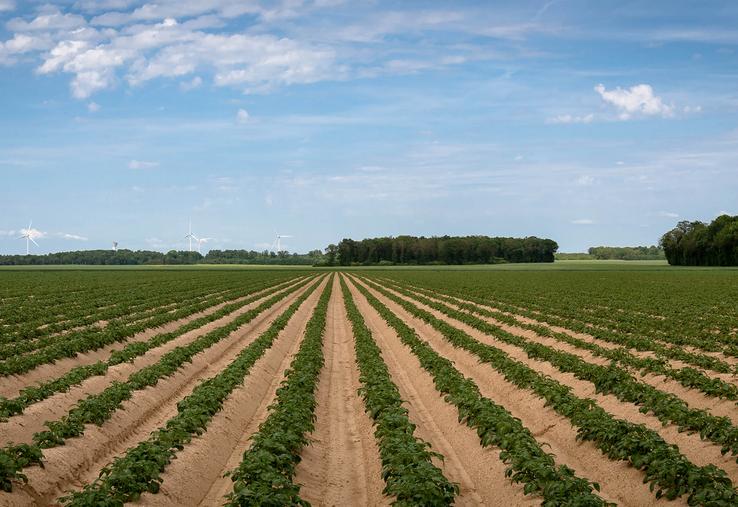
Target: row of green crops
{"points": [[98, 408], [609, 380], [49, 303], [36, 393], [409, 474], [674, 307], [92, 340], [140, 469], [527, 462], [265, 474], [669, 472], [125, 316], [690, 378]]}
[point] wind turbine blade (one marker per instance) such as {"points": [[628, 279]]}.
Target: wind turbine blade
{"points": [[21, 237], [32, 240]]}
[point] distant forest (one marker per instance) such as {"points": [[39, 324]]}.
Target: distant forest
{"points": [[627, 253], [402, 250], [173, 257], [701, 244]]}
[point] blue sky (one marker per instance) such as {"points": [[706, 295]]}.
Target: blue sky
{"points": [[587, 122]]}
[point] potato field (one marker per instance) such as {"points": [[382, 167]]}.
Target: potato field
{"points": [[189, 387]]}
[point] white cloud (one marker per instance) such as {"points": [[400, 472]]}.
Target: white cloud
{"points": [[155, 243], [692, 109], [34, 233], [142, 164], [93, 107], [583, 221], [585, 180], [8, 233], [192, 84], [242, 116], [52, 19], [568, 118], [7, 5], [636, 100], [75, 237], [518, 158], [668, 214]]}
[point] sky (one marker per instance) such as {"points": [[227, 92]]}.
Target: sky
{"points": [[591, 123]]}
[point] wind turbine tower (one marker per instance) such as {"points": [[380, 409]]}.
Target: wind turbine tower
{"points": [[278, 242], [190, 236], [28, 236]]}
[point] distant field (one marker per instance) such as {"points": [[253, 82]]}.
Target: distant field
{"points": [[581, 382]]}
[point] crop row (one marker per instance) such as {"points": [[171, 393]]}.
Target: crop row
{"points": [[123, 316], [610, 380], [407, 468], [265, 474], [692, 309], [140, 469], [669, 472], [527, 462], [75, 376], [37, 317], [690, 378], [92, 341], [98, 408]]}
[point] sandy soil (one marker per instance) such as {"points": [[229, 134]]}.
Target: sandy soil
{"points": [[479, 471], [695, 399], [10, 386], [639, 353], [698, 451], [80, 459], [341, 466], [21, 428], [196, 476], [618, 481]]}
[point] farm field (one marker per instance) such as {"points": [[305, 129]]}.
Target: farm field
{"points": [[596, 385]]}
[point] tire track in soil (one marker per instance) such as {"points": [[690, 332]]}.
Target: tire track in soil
{"points": [[80, 459], [699, 452], [341, 466], [11, 385], [478, 470], [619, 482], [20, 428], [716, 406]]}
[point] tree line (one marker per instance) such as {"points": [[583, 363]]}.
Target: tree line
{"points": [[627, 253], [173, 257], [402, 250], [701, 244]]}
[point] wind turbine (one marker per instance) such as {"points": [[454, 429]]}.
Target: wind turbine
{"points": [[28, 236], [191, 236], [115, 246], [200, 241], [278, 242]]}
